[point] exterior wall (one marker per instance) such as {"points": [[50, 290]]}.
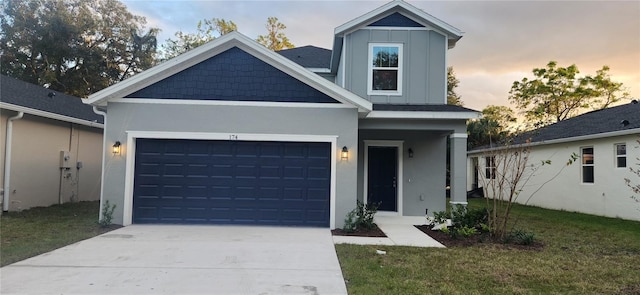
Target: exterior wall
{"points": [[607, 196], [36, 147], [424, 175], [123, 117], [424, 64]]}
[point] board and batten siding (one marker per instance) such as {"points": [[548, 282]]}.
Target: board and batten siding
{"points": [[424, 64]]}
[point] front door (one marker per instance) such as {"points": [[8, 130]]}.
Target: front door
{"points": [[383, 177]]}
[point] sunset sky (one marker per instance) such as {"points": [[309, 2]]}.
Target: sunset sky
{"points": [[503, 41]]}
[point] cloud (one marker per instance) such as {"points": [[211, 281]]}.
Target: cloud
{"points": [[503, 42]]}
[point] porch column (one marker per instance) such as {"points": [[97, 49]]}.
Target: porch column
{"points": [[458, 168]]}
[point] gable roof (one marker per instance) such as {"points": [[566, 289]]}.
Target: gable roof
{"points": [[308, 56], [33, 99], [614, 121], [405, 9], [595, 122], [217, 46]]}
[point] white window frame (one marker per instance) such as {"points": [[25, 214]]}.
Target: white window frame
{"points": [[583, 164], [617, 156], [490, 167], [370, 68]]}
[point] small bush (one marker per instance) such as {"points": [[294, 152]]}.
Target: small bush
{"points": [[521, 237], [361, 217], [463, 231], [465, 217], [107, 214], [440, 217]]}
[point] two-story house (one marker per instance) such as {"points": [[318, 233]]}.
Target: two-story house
{"points": [[232, 133]]}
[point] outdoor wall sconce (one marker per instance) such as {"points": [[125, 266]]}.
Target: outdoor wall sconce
{"points": [[410, 151], [116, 148], [344, 155]]}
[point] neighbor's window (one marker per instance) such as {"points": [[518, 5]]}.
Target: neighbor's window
{"points": [[490, 167], [587, 165], [621, 155], [385, 69]]}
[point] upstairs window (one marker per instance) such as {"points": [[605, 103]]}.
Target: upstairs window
{"points": [[587, 165], [385, 69], [621, 155]]}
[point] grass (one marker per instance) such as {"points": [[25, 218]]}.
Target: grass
{"points": [[38, 230], [583, 254]]}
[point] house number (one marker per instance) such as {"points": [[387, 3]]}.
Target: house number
{"points": [[233, 137]]}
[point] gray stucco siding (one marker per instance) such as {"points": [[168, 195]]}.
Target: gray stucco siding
{"points": [[339, 122], [424, 175], [423, 70]]}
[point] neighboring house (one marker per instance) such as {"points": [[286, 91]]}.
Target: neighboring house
{"points": [[231, 132], [51, 147], [606, 144]]}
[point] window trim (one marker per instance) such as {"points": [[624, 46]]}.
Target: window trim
{"points": [[616, 156], [583, 165], [370, 68]]}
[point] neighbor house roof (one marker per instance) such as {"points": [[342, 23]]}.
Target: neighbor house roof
{"points": [[614, 121], [217, 46], [308, 56], [32, 99]]}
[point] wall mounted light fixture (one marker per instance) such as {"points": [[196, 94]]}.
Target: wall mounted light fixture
{"points": [[116, 148], [344, 155], [410, 151]]}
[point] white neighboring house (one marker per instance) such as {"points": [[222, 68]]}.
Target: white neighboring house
{"points": [[606, 143]]}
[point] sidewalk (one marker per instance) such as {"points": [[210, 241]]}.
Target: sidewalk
{"points": [[400, 231]]}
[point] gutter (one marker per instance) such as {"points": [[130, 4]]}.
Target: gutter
{"points": [[50, 115], [7, 160], [104, 139]]}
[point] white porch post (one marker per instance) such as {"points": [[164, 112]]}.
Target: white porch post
{"points": [[458, 168]]}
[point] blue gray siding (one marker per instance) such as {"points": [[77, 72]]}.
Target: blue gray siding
{"points": [[396, 20], [424, 64], [233, 75]]}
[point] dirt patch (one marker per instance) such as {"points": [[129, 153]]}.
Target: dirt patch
{"points": [[375, 232], [478, 239]]}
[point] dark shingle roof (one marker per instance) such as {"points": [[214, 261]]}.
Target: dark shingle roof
{"points": [[16, 92], [308, 56], [595, 122], [421, 108]]}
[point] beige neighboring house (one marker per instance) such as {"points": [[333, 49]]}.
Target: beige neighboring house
{"points": [[51, 147]]}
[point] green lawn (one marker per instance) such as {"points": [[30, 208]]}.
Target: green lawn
{"points": [[39, 230], [583, 254]]}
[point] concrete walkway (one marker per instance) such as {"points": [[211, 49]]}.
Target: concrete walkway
{"points": [[193, 259], [400, 231]]}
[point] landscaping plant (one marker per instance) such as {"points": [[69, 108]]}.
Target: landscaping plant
{"points": [[361, 218]]}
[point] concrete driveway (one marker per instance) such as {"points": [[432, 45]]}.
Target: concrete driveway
{"points": [[180, 259]]}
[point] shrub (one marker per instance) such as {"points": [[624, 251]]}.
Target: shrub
{"points": [[361, 217], [107, 214], [463, 231], [521, 237], [440, 217], [465, 217]]}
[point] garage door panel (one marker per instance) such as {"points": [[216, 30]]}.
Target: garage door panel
{"points": [[232, 182]]}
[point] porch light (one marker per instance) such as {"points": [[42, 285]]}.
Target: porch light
{"points": [[410, 151], [116, 148], [345, 153]]}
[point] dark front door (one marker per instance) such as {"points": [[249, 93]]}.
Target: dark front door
{"points": [[383, 177]]}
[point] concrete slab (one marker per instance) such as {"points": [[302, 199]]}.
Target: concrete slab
{"points": [[400, 231], [176, 259]]}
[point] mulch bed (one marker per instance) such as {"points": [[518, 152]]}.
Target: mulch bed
{"points": [[376, 233], [479, 239]]}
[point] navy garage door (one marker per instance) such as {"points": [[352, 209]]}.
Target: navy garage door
{"points": [[232, 182]]}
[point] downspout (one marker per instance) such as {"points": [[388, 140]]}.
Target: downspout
{"points": [[7, 160], [104, 140]]}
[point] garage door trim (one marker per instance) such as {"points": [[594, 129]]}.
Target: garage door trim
{"points": [[129, 150]]}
